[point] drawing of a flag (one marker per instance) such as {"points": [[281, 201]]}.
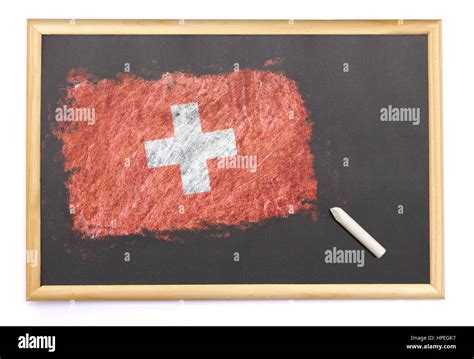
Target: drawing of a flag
{"points": [[184, 153]]}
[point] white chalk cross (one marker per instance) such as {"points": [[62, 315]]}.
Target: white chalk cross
{"points": [[190, 148]]}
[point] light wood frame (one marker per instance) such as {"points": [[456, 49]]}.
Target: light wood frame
{"points": [[36, 291]]}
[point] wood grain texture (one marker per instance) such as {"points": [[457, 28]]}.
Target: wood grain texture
{"points": [[236, 292], [432, 28], [332, 27], [436, 160], [33, 152]]}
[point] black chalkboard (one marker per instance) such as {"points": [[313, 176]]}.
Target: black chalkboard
{"points": [[365, 165]]}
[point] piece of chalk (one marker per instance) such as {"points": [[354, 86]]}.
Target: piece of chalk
{"points": [[358, 232]]}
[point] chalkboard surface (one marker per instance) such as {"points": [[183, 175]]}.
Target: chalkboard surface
{"points": [[363, 99]]}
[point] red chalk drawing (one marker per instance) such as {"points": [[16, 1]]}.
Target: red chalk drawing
{"points": [[273, 62], [111, 198]]}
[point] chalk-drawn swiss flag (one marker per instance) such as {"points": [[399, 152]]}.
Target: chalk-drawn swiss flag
{"points": [[185, 153]]}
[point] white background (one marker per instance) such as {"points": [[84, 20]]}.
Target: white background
{"points": [[458, 55]]}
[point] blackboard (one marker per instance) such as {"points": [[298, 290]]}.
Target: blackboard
{"points": [[357, 136]]}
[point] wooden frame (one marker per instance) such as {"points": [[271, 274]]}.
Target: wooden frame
{"points": [[36, 291]]}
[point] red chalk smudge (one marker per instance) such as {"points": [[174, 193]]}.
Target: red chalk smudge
{"points": [[273, 62], [78, 75], [115, 193]]}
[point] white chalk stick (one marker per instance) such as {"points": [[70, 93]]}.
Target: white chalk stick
{"points": [[358, 232]]}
